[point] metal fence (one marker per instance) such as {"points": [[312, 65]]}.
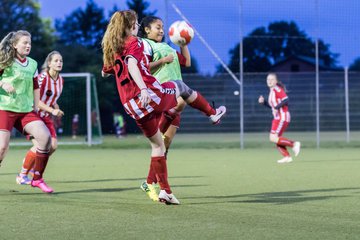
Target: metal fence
{"points": [[321, 100], [334, 115]]}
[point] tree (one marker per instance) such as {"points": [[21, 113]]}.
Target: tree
{"points": [[264, 47], [140, 6], [83, 26], [24, 15], [355, 66], [80, 35]]}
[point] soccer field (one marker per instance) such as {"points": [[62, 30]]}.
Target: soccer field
{"points": [[224, 194]]}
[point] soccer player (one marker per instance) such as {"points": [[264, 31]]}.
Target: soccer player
{"points": [[19, 96], [51, 86], [165, 65], [142, 96], [75, 125], [278, 102]]}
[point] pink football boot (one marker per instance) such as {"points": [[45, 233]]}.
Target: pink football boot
{"points": [[42, 185]]}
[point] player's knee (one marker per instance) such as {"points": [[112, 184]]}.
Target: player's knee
{"points": [[54, 145], [53, 149], [273, 138], [44, 141], [181, 105], [184, 91]]}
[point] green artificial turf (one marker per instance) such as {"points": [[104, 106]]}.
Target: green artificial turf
{"points": [[225, 193]]}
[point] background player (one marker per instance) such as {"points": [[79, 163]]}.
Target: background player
{"points": [[51, 86], [278, 102]]}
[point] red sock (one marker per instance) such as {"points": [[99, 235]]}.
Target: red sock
{"points": [[283, 150], [285, 142], [166, 120], [201, 104], [151, 178], [40, 164], [158, 164], [28, 162]]}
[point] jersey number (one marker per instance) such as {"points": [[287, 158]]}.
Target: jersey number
{"points": [[121, 69]]}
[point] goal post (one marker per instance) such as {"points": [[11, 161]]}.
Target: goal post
{"points": [[93, 122], [81, 122]]}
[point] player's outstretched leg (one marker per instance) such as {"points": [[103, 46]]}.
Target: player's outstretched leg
{"points": [[197, 101], [296, 148], [284, 152]]}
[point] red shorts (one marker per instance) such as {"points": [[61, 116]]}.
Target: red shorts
{"points": [[8, 120], [278, 127], [176, 121], [50, 125], [149, 124], [168, 100]]}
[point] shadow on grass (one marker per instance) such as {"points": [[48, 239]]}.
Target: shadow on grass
{"points": [[105, 190], [119, 179], [351, 160], [288, 197], [6, 174], [100, 180], [93, 190]]}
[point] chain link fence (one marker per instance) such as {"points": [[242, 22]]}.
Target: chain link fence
{"points": [[308, 44]]}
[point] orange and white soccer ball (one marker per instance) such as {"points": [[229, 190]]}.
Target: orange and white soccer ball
{"points": [[181, 33]]}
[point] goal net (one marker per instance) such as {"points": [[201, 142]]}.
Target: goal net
{"points": [[81, 122]]}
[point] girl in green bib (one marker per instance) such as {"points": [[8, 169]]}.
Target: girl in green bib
{"points": [[19, 97], [165, 65]]}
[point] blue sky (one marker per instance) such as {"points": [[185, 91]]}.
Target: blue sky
{"points": [[219, 22]]}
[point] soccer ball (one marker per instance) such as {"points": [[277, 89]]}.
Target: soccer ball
{"points": [[181, 33]]}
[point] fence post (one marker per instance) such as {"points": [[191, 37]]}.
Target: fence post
{"points": [[317, 76], [241, 77], [346, 79]]}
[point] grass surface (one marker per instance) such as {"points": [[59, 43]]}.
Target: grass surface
{"points": [[224, 193]]}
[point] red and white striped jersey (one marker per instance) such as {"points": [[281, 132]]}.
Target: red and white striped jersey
{"points": [[129, 92], [50, 90], [277, 95]]}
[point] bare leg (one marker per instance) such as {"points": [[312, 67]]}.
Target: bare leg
{"points": [[42, 135], [4, 143]]}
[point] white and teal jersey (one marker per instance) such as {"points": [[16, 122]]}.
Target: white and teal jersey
{"points": [[169, 71], [20, 76]]}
